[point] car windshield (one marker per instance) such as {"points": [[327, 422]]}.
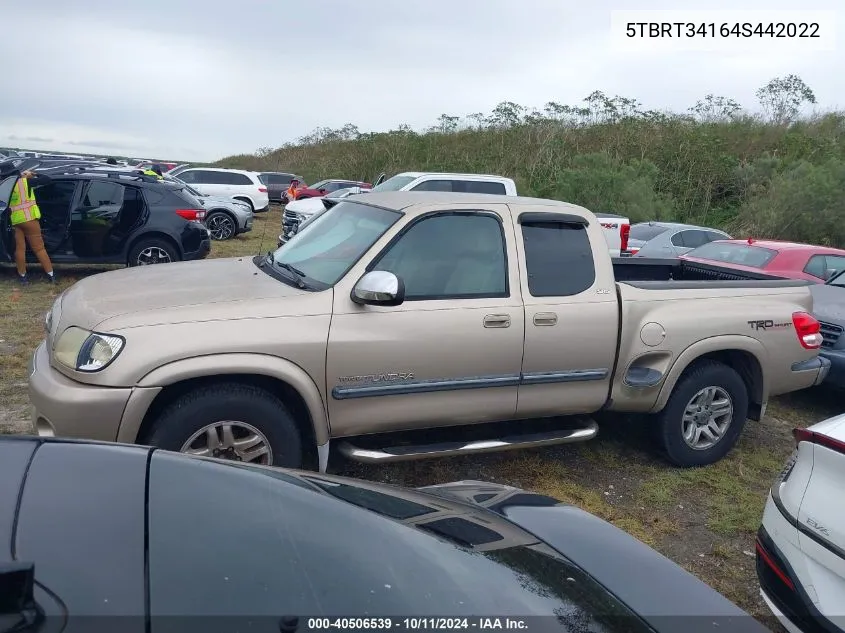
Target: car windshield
{"points": [[330, 245], [318, 185], [646, 232], [732, 253], [394, 184]]}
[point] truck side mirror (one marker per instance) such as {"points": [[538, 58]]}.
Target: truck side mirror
{"points": [[379, 288]]}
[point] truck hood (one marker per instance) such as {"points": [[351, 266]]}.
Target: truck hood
{"points": [[172, 293], [829, 303]]}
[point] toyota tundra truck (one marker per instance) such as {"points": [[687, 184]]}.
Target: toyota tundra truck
{"points": [[404, 325]]}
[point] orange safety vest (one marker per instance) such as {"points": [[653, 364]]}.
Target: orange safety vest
{"points": [[22, 203]]}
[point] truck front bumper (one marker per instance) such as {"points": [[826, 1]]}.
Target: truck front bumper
{"points": [[66, 408]]}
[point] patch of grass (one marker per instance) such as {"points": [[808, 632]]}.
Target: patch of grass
{"points": [[553, 478], [721, 550], [733, 490]]}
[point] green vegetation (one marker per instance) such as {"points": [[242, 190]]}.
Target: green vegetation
{"points": [[768, 175]]}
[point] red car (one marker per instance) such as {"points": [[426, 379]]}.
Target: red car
{"points": [[781, 259], [323, 187]]}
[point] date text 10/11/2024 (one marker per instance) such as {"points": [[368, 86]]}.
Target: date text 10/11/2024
{"points": [[417, 624]]}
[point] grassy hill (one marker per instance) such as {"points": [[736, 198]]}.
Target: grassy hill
{"points": [[767, 175]]}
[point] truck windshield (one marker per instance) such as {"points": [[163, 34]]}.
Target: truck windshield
{"points": [[394, 184], [733, 253], [330, 245]]}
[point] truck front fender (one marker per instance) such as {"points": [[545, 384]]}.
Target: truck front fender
{"points": [[234, 364], [725, 347]]}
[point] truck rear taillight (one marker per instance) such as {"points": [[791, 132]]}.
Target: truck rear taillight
{"points": [[624, 233], [806, 435], [808, 330], [191, 214], [262, 189]]}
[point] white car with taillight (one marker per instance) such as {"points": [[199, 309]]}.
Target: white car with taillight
{"points": [[238, 184], [800, 545]]}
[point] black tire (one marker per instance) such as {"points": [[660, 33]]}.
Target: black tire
{"points": [[207, 405], [221, 225], [152, 245], [670, 426]]}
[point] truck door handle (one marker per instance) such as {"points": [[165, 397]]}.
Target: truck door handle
{"points": [[497, 320], [545, 318]]}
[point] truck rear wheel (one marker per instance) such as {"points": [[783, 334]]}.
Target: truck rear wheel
{"points": [[230, 421], [704, 416]]}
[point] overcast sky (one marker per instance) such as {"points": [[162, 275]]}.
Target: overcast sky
{"points": [[201, 79]]}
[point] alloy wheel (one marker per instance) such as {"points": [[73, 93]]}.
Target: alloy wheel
{"points": [[707, 417], [153, 255], [232, 440], [220, 226]]}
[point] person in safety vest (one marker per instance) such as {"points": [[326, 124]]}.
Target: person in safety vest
{"points": [[24, 216], [154, 171], [290, 194]]}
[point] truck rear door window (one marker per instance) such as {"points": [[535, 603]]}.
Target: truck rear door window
{"points": [[558, 259]]}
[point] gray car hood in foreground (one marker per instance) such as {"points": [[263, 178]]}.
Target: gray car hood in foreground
{"points": [[185, 291]]}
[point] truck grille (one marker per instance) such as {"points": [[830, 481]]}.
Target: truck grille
{"points": [[290, 222], [830, 334]]}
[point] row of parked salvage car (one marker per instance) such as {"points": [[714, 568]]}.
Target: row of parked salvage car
{"points": [[358, 337], [482, 328]]}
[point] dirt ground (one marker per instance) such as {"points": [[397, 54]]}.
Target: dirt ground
{"points": [[704, 519]]}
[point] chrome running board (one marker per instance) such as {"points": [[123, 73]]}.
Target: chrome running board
{"points": [[441, 449]]}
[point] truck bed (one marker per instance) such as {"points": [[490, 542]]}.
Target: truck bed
{"points": [[673, 273]]}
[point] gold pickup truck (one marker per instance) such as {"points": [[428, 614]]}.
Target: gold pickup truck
{"points": [[403, 325]]}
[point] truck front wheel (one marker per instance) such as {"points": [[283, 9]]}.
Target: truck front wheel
{"points": [[232, 421], [704, 416]]}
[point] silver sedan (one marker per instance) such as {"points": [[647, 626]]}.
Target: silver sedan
{"points": [[669, 239], [224, 217]]}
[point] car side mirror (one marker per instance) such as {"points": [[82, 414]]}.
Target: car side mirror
{"points": [[322, 191], [379, 288]]}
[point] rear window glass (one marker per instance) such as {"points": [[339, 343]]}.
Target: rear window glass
{"points": [[731, 253], [646, 232], [558, 259]]}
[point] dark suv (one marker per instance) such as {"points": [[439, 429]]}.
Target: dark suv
{"points": [[111, 218], [277, 183]]}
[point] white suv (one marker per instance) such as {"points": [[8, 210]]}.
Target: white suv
{"points": [[229, 183], [455, 183]]}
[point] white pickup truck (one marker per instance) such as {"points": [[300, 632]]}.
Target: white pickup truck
{"points": [[616, 229]]}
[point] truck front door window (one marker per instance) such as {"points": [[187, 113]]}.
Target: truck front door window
{"points": [[330, 245], [450, 256]]}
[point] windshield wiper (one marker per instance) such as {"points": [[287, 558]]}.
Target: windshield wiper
{"points": [[299, 276]]}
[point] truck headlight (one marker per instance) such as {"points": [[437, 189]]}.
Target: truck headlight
{"points": [[87, 351]]}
